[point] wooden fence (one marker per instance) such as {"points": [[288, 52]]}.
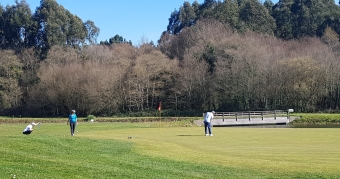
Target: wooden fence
{"points": [[251, 114]]}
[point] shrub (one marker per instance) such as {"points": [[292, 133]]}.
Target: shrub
{"points": [[90, 117]]}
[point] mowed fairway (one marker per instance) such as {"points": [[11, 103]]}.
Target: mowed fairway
{"points": [[145, 150]]}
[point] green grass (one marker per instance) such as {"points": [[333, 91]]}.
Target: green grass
{"points": [[105, 150]]}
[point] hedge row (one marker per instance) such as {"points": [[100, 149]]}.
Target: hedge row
{"points": [[315, 119], [100, 119]]}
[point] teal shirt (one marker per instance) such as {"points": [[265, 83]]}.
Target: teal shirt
{"points": [[73, 118]]}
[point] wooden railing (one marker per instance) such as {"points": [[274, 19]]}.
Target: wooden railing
{"points": [[251, 114]]}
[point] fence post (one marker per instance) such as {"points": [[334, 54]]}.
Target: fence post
{"points": [[262, 115], [236, 115], [249, 115], [288, 114], [274, 114]]}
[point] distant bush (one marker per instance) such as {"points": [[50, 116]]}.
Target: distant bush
{"points": [[90, 117]]}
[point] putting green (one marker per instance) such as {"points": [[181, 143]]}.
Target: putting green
{"points": [[315, 150]]}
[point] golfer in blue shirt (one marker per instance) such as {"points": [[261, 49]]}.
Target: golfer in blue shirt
{"points": [[72, 118]]}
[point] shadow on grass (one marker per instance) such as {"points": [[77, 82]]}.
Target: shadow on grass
{"points": [[188, 135]]}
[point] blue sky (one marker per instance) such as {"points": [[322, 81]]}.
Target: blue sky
{"points": [[133, 19]]}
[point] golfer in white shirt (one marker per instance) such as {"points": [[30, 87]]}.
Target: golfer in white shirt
{"points": [[207, 123], [29, 128]]}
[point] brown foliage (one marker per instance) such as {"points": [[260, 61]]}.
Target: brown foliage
{"points": [[206, 66], [149, 76], [248, 73]]}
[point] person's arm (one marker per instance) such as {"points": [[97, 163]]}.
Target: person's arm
{"points": [[68, 120]]}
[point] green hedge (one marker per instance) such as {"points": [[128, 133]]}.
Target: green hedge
{"points": [[100, 119], [316, 118]]}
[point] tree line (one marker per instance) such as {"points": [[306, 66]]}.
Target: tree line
{"points": [[206, 64], [51, 24], [287, 19]]}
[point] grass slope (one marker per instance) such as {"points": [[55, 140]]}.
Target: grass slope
{"points": [[145, 150]]}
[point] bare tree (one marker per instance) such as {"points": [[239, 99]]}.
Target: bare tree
{"points": [[10, 74], [150, 79]]}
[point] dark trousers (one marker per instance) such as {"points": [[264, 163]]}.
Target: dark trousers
{"points": [[72, 127], [207, 127], [27, 132]]}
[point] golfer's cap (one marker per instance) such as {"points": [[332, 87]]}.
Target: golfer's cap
{"points": [[74, 111], [213, 112], [33, 124]]}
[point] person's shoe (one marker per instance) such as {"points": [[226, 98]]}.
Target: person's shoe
{"points": [[206, 134], [211, 135], [72, 134]]}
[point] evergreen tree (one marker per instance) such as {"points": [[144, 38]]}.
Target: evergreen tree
{"points": [[228, 12], [269, 6], [300, 18], [256, 17], [92, 32], [57, 26], [16, 22], [283, 16], [117, 39], [2, 22], [186, 16]]}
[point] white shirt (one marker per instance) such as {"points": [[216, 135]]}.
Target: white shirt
{"points": [[208, 117], [28, 128]]}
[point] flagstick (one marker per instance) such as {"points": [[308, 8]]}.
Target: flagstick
{"points": [[160, 119], [159, 108]]}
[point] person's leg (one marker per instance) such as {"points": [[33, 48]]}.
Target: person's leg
{"points": [[72, 127], [209, 128], [27, 132], [206, 128]]}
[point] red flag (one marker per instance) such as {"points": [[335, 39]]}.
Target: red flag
{"points": [[159, 106]]}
